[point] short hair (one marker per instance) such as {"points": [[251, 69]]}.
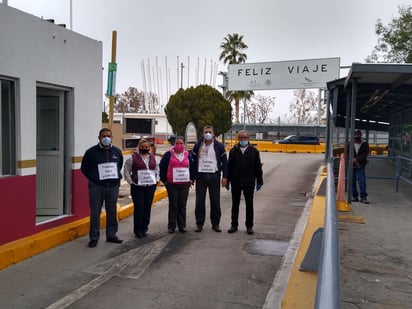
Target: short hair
{"points": [[143, 140], [243, 132], [208, 127], [180, 137], [104, 130]]}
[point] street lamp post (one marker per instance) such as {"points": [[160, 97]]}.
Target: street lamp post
{"points": [[181, 74]]}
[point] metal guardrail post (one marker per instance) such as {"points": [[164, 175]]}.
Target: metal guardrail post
{"points": [[328, 284]]}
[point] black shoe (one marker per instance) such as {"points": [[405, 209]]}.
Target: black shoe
{"points": [[199, 228], [92, 243], [139, 235], [355, 199], [171, 231], [182, 230], [364, 200], [249, 230], [114, 240], [216, 228], [232, 229], [144, 234]]}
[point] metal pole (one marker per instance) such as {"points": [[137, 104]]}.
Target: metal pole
{"points": [[244, 111], [111, 98]]}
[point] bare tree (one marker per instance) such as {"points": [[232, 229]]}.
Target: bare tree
{"points": [[135, 101], [304, 108], [259, 108]]}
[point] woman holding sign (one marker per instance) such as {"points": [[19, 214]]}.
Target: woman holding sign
{"points": [[177, 174], [141, 172]]}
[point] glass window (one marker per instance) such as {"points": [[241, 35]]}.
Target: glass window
{"points": [[7, 128]]}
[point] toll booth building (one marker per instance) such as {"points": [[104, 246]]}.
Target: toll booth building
{"points": [[50, 110]]}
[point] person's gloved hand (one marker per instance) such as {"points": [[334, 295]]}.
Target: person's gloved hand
{"points": [[227, 186], [258, 187]]}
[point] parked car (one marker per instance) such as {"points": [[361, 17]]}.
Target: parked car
{"points": [[300, 139]]}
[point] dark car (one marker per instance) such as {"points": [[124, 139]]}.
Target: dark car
{"points": [[300, 139]]}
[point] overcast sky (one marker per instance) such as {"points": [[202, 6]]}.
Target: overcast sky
{"points": [[274, 30]]}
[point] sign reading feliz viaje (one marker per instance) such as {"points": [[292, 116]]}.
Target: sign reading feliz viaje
{"points": [[298, 74]]}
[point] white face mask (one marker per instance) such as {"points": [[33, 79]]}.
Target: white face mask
{"points": [[106, 141], [208, 136]]}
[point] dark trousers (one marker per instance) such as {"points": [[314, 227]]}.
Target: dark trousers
{"points": [[248, 192], [205, 181], [142, 197], [177, 194], [97, 196]]}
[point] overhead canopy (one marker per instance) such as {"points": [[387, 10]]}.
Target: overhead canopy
{"points": [[381, 90]]}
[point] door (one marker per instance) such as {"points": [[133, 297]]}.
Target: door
{"points": [[50, 152]]}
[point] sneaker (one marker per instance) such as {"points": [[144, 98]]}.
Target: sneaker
{"points": [[364, 200], [355, 199]]}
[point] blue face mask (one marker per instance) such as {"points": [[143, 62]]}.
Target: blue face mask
{"points": [[106, 141], [208, 136], [243, 143]]}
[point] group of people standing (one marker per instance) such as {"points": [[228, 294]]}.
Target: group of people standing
{"points": [[206, 166]]}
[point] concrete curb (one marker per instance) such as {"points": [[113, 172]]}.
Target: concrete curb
{"points": [[301, 287], [24, 248]]}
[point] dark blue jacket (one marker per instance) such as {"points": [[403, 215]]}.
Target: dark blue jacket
{"points": [[96, 155], [221, 156]]}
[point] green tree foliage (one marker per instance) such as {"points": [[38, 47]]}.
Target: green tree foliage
{"points": [[203, 105], [105, 117], [395, 40], [233, 53]]}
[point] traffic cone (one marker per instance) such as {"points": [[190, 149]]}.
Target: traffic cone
{"points": [[341, 204]]}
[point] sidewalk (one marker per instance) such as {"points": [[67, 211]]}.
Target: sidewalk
{"points": [[376, 257]]}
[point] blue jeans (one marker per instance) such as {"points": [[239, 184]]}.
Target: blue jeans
{"points": [[359, 175]]}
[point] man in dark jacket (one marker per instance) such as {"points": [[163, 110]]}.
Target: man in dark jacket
{"points": [[244, 174], [101, 165], [360, 159], [210, 165]]}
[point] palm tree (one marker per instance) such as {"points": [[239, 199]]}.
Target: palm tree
{"points": [[232, 53]]}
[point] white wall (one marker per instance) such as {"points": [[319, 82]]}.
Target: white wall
{"points": [[33, 50]]}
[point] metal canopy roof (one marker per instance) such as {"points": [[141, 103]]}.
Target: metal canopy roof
{"points": [[381, 90]]}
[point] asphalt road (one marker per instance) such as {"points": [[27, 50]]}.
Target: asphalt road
{"points": [[191, 270]]}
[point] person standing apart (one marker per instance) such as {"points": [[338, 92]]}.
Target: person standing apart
{"points": [[360, 159], [210, 164], [177, 174], [102, 164], [141, 173], [244, 175]]}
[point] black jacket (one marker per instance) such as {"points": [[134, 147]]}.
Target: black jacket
{"points": [[96, 155], [245, 168]]}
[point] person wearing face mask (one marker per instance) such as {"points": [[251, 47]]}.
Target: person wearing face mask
{"points": [[360, 159], [244, 175], [177, 174], [102, 164], [141, 171], [210, 165]]}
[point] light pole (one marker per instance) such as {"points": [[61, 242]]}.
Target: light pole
{"points": [[181, 74]]}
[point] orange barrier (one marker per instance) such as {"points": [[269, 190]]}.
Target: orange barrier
{"points": [[341, 204]]}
